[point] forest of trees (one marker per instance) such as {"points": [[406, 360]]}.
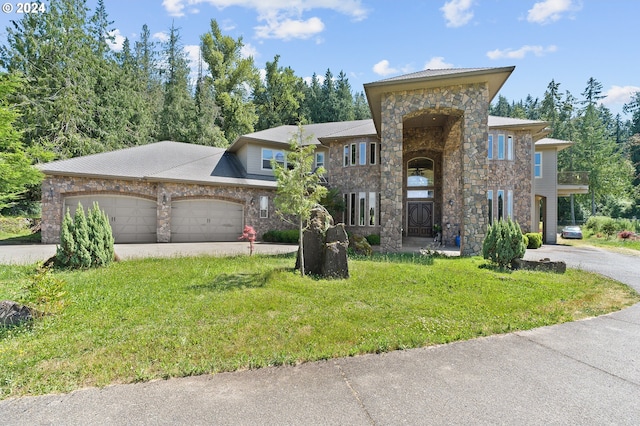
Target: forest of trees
{"points": [[65, 93], [605, 146], [73, 95]]}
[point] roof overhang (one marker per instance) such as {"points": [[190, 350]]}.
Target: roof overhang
{"points": [[428, 79]]}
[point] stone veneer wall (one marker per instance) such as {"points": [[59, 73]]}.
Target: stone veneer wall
{"points": [[515, 175], [354, 179], [56, 188], [473, 103]]}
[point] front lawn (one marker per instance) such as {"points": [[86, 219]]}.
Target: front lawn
{"points": [[159, 318], [612, 243]]}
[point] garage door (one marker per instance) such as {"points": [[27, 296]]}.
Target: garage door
{"points": [[205, 220], [133, 220]]}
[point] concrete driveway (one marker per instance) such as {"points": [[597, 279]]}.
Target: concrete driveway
{"points": [[582, 373]]}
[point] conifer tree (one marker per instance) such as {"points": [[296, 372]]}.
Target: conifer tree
{"points": [[81, 258], [67, 246]]}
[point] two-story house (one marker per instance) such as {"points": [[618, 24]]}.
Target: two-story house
{"points": [[431, 155]]}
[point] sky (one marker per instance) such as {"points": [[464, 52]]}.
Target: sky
{"points": [[568, 41]]}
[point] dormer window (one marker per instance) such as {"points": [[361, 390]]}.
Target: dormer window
{"points": [[271, 154]]}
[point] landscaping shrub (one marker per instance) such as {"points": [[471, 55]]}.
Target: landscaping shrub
{"points": [[504, 243], [608, 227], [45, 292], [289, 236], [85, 240], [625, 235], [534, 240], [373, 239]]}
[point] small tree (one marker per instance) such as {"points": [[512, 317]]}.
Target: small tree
{"points": [[82, 256], [504, 243], [67, 243], [299, 188]]}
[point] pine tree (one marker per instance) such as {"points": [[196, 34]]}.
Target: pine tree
{"points": [[67, 246], [96, 233]]}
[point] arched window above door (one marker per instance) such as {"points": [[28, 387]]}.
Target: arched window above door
{"points": [[420, 172]]}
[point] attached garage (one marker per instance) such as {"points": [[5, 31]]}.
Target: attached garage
{"points": [[206, 220], [132, 219]]}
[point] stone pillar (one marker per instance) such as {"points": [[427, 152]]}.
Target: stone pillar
{"points": [[391, 177], [163, 218], [51, 212]]}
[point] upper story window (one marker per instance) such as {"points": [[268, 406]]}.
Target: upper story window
{"points": [[272, 154], [319, 159], [362, 153], [354, 154], [537, 165], [372, 153], [420, 172], [509, 147], [500, 147], [490, 147]]}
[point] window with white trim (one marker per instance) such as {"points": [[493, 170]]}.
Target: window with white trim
{"points": [[362, 153], [362, 208], [510, 204], [372, 208], [264, 206], [345, 212], [352, 210], [500, 204], [537, 165], [319, 159], [490, 147], [500, 147], [354, 154], [372, 153], [490, 204], [345, 163], [510, 147], [271, 154]]}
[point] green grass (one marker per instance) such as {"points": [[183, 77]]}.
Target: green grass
{"points": [[15, 230], [613, 242], [158, 318]]}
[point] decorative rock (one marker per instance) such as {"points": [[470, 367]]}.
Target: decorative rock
{"points": [[545, 265], [360, 245], [13, 313], [335, 263]]}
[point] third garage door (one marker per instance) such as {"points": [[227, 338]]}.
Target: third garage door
{"points": [[205, 220]]}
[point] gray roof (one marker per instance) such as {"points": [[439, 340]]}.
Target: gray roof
{"points": [[495, 121], [162, 161], [313, 133], [553, 143], [433, 73]]}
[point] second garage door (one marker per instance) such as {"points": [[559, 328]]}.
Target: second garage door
{"points": [[205, 220]]}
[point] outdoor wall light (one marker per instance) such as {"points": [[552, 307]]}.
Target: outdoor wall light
{"points": [[253, 200], [451, 203], [164, 198], [448, 225]]}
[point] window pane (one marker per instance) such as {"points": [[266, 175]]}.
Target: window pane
{"points": [[500, 147], [420, 172], [346, 155], [538, 165], [264, 206], [267, 155], [500, 204], [362, 207], [490, 203], [420, 194], [490, 147], [319, 159], [352, 210], [345, 212], [372, 153], [510, 148], [510, 204], [372, 208], [353, 154], [362, 154]]}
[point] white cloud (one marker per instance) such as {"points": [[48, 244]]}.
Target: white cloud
{"points": [[308, 80], [162, 36], [288, 29], [521, 53], [117, 40], [282, 18], [248, 50], [437, 62], [620, 94], [548, 11], [382, 68], [457, 12]]}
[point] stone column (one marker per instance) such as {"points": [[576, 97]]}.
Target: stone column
{"points": [[391, 176], [163, 218]]}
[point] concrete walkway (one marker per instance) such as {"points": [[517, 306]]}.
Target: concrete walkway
{"points": [[585, 372]]}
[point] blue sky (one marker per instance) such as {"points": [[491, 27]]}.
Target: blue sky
{"points": [[566, 40]]}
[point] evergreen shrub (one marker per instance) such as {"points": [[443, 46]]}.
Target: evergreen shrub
{"points": [[504, 243], [534, 240], [289, 236]]}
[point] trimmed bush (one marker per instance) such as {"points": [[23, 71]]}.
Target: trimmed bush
{"points": [[534, 240], [85, 240], [290, 236], [373, 239], [504, 243]]}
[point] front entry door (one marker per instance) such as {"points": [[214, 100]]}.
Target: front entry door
{"points": [[420, 219]]}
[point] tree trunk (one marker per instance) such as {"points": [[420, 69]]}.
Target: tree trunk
{"points": [[301, 248]]}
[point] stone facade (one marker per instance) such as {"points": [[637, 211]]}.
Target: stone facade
{"points": [[56, 188], [464, 142]]}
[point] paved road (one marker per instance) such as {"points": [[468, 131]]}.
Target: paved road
{"points": [[583, 373]]}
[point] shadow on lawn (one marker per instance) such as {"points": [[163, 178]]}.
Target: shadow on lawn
{"points": [[228, 282]]}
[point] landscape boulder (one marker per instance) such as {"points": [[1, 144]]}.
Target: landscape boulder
{"points": [[334, 264], [360, 245], [13, 313], [545, 265]]}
